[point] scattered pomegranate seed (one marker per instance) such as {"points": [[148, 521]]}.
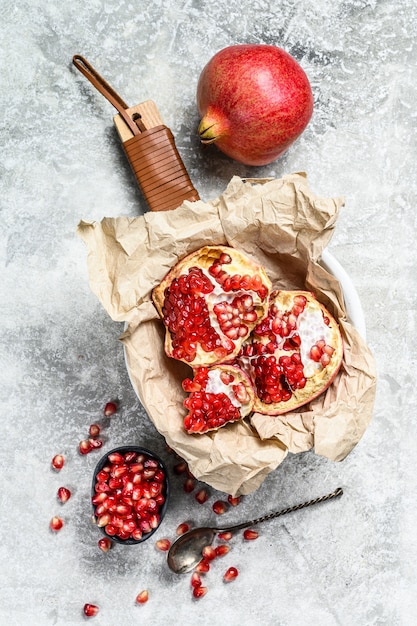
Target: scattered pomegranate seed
{"points": [[225, 536], [200, 591], [203, 566], [63, 494], [142, 597], [189, 485], [234, 501], [219, 507], [94, 430], [180, 467], [195, 579], [110, 409], [230, 574], [222, 550], [250, 535], [201, 496], [95, 443], [58, 462], [163, 544], [182, 528], [56, 523], [90, 610], [209, 553], [104, 544], [85, 447]]}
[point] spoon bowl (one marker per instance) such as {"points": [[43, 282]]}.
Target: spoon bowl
{"points": [[185, 552]]}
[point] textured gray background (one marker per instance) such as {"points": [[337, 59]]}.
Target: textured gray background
{"points": [[350, 563]]}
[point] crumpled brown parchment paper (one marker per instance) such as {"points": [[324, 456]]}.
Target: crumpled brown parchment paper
{"points": [[283, 225]]}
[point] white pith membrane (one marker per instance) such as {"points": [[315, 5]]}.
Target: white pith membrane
{"points": [[216, 385]]}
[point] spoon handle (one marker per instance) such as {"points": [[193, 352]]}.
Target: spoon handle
{"points": [[290, 509]]}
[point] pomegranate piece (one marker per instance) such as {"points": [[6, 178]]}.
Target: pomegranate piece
{"points": [[163, 545], [110, 409], [130, 494], [219, 507], [294, 354], [218, 395], [85, 446], [189, 485], [56, 523], [209, 303], [182, 528], [58, 462], [208, 553], [222, 550], [63, 494], [230, 574], [201, 496], [142, 597], [90, 610], [234, 500], [199, 591], [225, 536], [203, 566], [104, 544], [250, 535], [94, 430], [196, 580]]}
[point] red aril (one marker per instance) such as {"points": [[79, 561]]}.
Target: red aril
{"points": [[230, 574], [219, 507], [250, 535], [195, 580], [85, 446], [234, 500], [182, 528], [110, 409], [163, 545], [90, 610], [200, 591], [201, 496], [63, 494], [56, 523], [142, 597], [255, 100], [58, 462], [218, 395], [94, 430], [222, 550], [294, 354], [104, 544], [209, 303]]}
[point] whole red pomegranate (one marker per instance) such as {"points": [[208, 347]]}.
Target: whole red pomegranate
{"points": [[254, 100]]}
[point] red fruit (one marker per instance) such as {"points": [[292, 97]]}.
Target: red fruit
{"points": [[104, 544], [230, 574], [189, 485], [58, 462], [294, 354], [163, 545], [90, 610], [255, 100], [203, 566], [208, 553], [225, 394], [201, 496], [209, 303], [225, 536], [250, 534], [64, 494], [56, 523], [195, 580], [219, 507], [142, 597], [233, 500], [180, 467], [110, 409], [199, 592], [222, 550]]}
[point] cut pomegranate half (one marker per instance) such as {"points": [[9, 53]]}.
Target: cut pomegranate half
{"points": [[218, 395], [294, 354], [209, 302]]}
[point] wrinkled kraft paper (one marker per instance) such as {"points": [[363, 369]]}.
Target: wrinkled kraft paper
{"points": [[284, 226]]}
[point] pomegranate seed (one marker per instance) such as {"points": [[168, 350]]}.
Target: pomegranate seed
{"points": [[230, 574], [90, 610], [56, 523], [64, 494], [234, 501], [182, 528], [94, 430], [95, 443], [180, 467], [201, 496], [58, 462], [222, 550], [116, 458], [85, 447], [250, 535], [189, 485], [105, 544], [209, 553], [142, 597], [110, 409], [225, 536], [199, 592], [103, 520], [110, 529], [195, 580], [163, 545], [203, 566], [219, 507]]}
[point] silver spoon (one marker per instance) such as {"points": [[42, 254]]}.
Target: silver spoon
{"points": [[185, 552]]}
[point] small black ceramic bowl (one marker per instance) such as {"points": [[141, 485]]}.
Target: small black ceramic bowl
{"points": [[129, 494]]}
